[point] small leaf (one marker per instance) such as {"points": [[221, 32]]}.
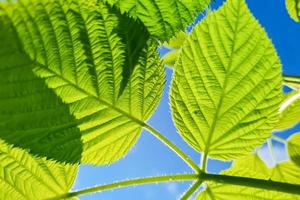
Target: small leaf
{"points": [[175, 44], [226, 90], [171, 57], [177, 41], [293, 7], [249, 166], [289, 111], [286, 172], [163, 18], [293, 147], [24, 176]]}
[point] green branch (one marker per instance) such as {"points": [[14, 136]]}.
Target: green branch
{"points": [[204, 161], [191, 190], [157, 179], [294, 79], [291, 81], [173, 147], [252, 182], [223, 179]]}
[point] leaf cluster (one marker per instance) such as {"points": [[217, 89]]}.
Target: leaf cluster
{"points": [[80, 78]]}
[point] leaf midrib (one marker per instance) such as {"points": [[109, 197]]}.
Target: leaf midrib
{"points": [[102, 101], [218, 109], [97, 98]]}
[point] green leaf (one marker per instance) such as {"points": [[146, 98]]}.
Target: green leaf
{"points": [[253, 167], [31, 115], [171, 57], [286, 172], [292, 81], [177, 41], [289, 111], [175, 44], [293, 146], [24, 176], [249, 166], [163, 18], [102, 65], [293, 7], [226, 90]]}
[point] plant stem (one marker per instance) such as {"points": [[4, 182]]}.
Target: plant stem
{"points": [[294, 79], [224, 179], [204, 162], [173, 147], [191, 190], [252, 182], [291, 81], [139, 181]]}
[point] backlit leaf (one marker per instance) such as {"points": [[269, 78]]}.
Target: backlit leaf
{"points": [[163, 18], [293, 7], [289, 111], [226, 90], [24, 176], [102, 65], [293, 146]]}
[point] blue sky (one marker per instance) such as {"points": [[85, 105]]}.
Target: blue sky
{"points": [[150, 157]]}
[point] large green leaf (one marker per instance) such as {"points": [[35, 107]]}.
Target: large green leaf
{"points": [[102, 65], [253, 167], [31, 115], [163, 18], [293, 146], [293, 7], [24, 176], [289, 111], [226, 91]]}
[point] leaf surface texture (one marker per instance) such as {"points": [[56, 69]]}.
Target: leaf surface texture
{"points": [[289, 111], [24, 176], [101, 64], [226, 90], [293, 146], [163, 18], [293, 7]]}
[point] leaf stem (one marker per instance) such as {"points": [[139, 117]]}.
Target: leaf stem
{"points": [[252, 182], [173, 147], [191, 190], [290, 81], [126, 183], [204, 160], [224, 179]]}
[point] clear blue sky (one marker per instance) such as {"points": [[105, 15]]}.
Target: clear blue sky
{"points": [[150, 157]]}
